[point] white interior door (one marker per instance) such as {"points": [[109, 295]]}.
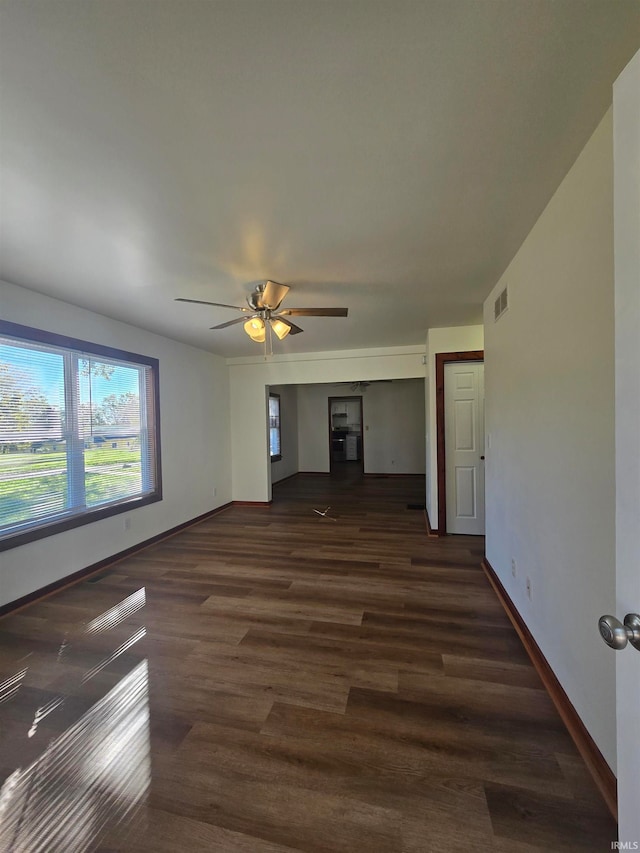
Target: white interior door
{"points": [[626, 135], [464, 446]]}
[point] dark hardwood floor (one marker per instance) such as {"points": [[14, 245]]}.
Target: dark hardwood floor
{"points": [[287, 682]]}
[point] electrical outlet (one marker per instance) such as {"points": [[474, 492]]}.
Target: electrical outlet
{"points": [[127, 523], [215, 491], [513, 567], [529, 589]]}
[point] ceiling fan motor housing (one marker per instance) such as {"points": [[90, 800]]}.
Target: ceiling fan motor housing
{"points": [[255, 299]]}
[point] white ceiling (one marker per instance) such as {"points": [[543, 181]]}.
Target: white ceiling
{"points": [[385, 156]]}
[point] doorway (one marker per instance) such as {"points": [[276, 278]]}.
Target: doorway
{"points": [[346, 452], [443, 359], [464, 446]]}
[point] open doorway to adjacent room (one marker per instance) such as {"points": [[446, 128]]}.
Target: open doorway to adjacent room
{"points": [[346, 457]]}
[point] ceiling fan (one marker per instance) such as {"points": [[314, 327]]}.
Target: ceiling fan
{"points": [[363, 385], [264, 312]]}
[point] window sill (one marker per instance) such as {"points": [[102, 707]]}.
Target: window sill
{"points": [[50, 529]]}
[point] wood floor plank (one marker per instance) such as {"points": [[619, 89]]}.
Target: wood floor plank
{"points": [[355, 653], [168, 833], [257, 606], [279, 813], [541, 818]]}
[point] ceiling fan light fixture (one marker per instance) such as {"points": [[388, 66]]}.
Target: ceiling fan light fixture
{"points": [[255, 328], [264, 313], [281, 329]]}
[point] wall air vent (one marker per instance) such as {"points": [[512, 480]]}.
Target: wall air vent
{"points": [[500, 305]]}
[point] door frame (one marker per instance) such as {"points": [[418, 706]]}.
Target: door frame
{"points": [[339, 399], [626, 262], [443, 358]]}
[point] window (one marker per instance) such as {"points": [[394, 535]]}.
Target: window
{"points": [[79, 433], [274, 427]]}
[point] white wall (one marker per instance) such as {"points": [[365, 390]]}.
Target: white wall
{"points": [[450, 339], [550, 417], [393, 428], [250, 376], [195, 441], [313, 425], [288, 465]]}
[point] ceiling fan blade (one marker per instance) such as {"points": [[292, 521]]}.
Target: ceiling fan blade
{"points": [[273, 294], [229, 323], [217, 304], [294, 330], [316, 312]]}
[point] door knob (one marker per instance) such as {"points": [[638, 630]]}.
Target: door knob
{"points": [[617, 634]]}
